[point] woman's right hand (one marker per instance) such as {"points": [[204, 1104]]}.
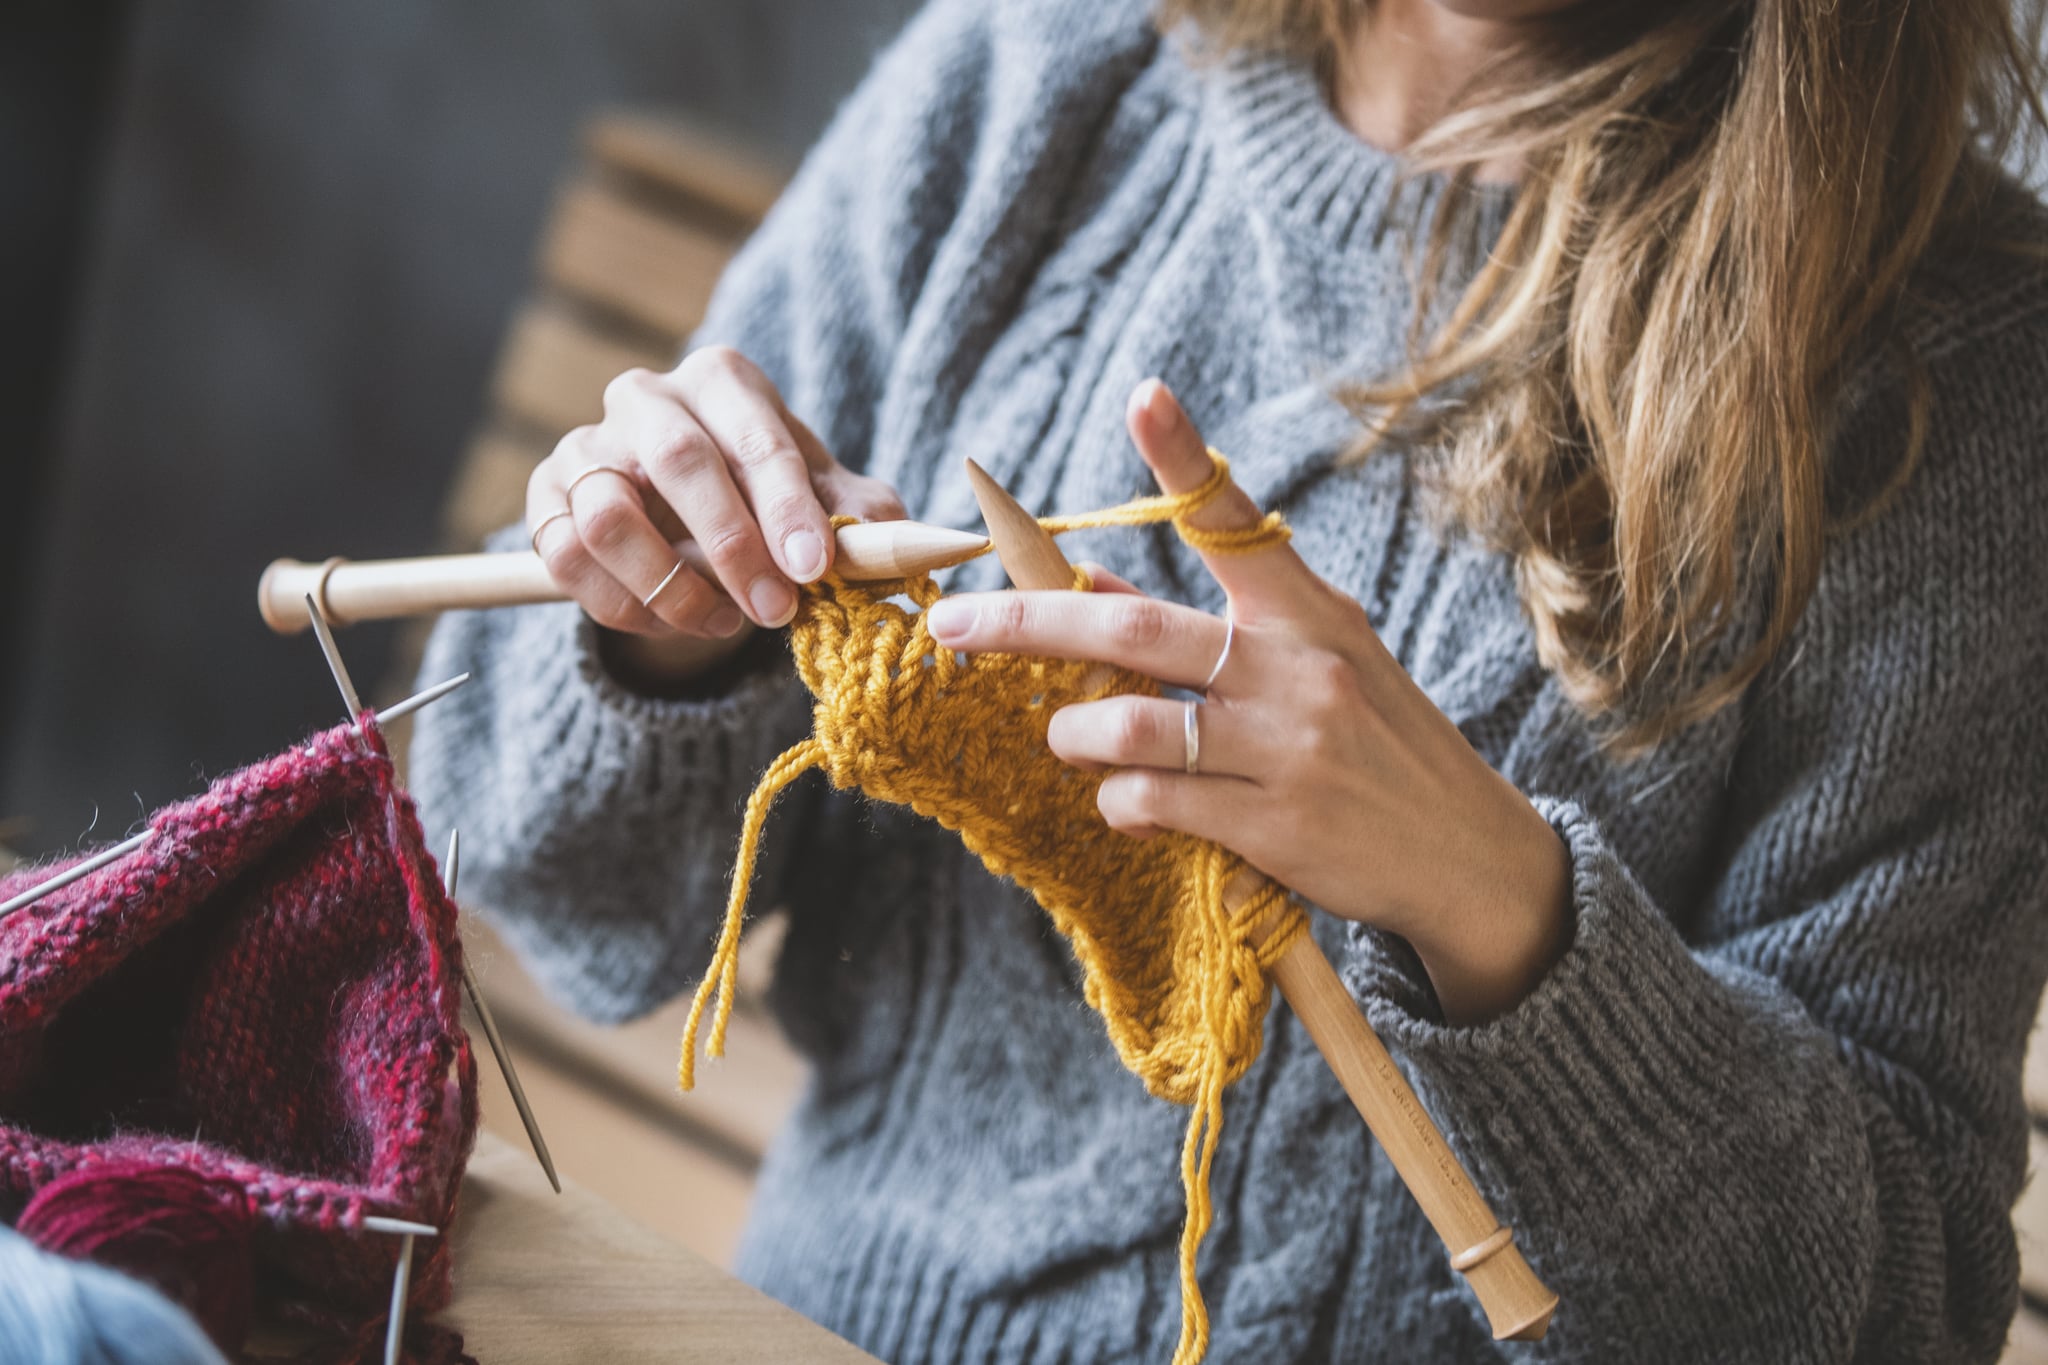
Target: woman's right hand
{"points": [[707, 452]]}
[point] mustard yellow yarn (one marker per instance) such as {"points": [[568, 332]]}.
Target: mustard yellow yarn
{"points": [[1174, 975]]}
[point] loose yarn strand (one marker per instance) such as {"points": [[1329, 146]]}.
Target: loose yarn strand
{"points": [[722, 976], [1178, 979]]}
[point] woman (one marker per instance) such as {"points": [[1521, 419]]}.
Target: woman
{"points": [[1647, 700]]}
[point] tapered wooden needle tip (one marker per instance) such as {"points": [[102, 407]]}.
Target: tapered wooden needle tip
{"points": [[902, 549], [1029, 553]]}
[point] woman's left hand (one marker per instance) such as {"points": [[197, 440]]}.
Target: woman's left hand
{"points": [[1321, 762]]}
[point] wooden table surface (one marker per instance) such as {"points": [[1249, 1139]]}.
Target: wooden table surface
{"points": [[561, 1279]]}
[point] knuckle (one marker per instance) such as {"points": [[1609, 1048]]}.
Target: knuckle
{"points": [[572, 444], [565, 558], [758, 447], [727, 542], [1144, 795], [676, 454], [1007, 613], [627, 385], [606, 523], [687, 603], [791, 511], [714, 364], [1327, 679], [611, 610], [1135, 731], [1140, 626]]}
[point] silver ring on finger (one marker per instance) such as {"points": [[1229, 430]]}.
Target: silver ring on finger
{"points": [[569, 490], [1229, 637], [1191, 734], [549, 520], [662, 586]]}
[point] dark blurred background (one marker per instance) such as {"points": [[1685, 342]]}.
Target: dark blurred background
{"points": [[258, 261]]}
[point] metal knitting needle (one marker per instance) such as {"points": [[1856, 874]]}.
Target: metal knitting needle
{"points": [[399, 1227], [128, 846], [418, 699], [451, 871], [401, 1286], [72, 874], [334, 663], [401, 1280]]}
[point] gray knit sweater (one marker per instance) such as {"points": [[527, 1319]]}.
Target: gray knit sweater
{"points": [[1768, 1105]]}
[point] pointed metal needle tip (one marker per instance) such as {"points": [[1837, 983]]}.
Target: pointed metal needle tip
{"points": [[417, 700], [398, 1227], [334, 664], [451, 872]]}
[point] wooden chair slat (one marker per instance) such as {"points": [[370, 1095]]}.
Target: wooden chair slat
{"points": [[554, 367], [608, 250], [687, 161], [490, 486]]}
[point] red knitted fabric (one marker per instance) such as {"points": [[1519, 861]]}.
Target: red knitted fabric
{"points": [[267, 994]]}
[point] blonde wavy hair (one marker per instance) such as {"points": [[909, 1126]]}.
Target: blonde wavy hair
{"points": [[1721, 205]]}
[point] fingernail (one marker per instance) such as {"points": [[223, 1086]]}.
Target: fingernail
{"points": [[950, 618], [773, 602], [726, 621], [804, 553], [1158, 399]]}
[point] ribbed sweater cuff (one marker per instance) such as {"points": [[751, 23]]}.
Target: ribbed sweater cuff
{"points": [[701, 727], [1572, 1106]]}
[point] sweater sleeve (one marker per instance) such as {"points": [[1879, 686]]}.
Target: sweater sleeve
{"points": [[598, 825], [1795, 1130], [822, 293]]}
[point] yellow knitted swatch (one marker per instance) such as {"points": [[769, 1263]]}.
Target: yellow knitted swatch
{"points": [[962, 739]]}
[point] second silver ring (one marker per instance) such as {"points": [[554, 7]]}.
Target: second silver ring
{"points": [[1191, 733]]}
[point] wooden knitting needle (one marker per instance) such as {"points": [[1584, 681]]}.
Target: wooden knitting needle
{"points": [[1517, 1304], [451, 871], [377, 590]]}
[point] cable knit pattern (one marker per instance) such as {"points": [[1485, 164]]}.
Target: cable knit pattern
{"points": [[1767, 1107]]}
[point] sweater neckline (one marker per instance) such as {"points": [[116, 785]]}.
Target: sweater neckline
{"points": [[1296, 161]]}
